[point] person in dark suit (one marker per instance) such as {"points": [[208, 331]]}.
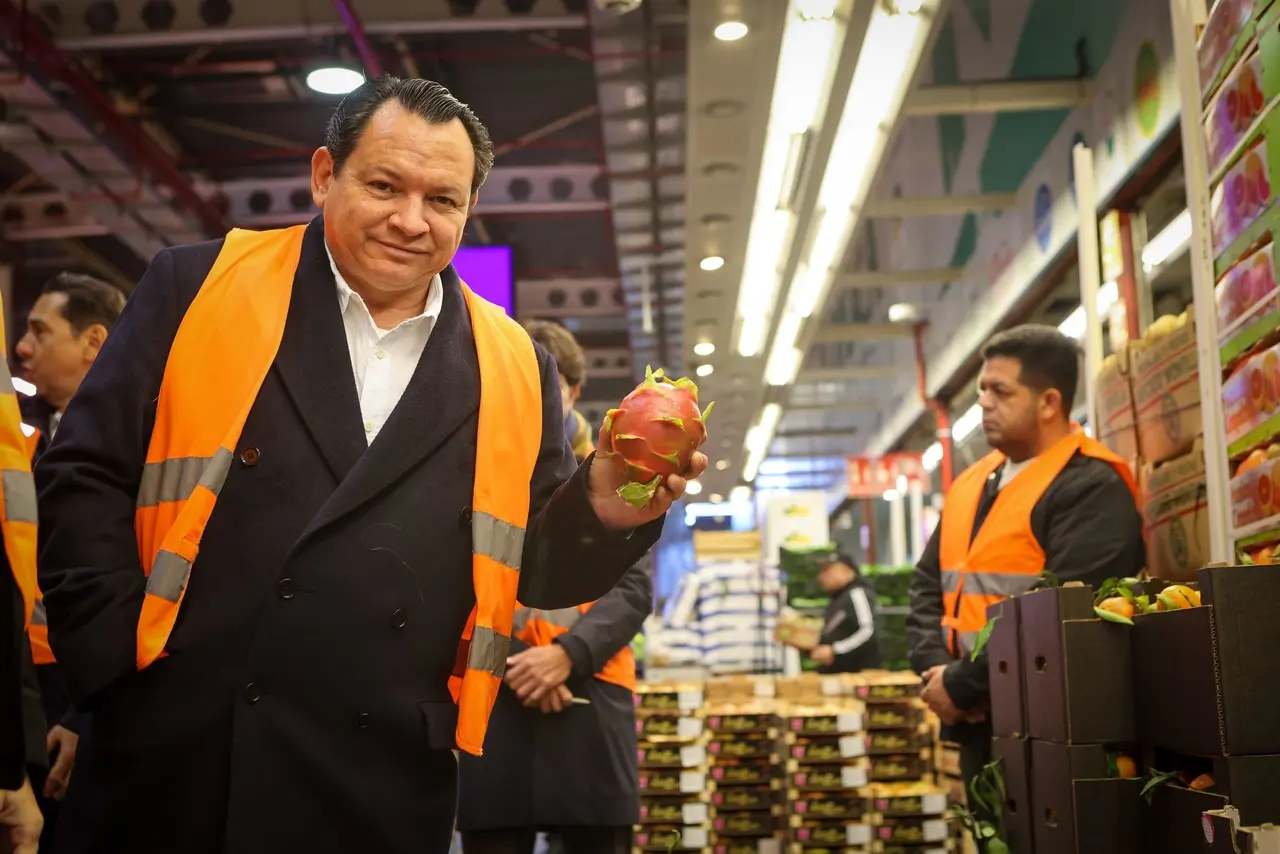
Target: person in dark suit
{"points": [[552, 761], [66, 328], [304, 701]]}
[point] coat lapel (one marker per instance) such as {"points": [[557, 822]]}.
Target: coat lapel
{"points": [[442, 395], [314, 362]]}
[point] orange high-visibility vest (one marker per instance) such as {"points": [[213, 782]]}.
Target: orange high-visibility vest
{"points": [[1004, 559], [540, 628], [224, 347], [18, 501], [38, 631]]}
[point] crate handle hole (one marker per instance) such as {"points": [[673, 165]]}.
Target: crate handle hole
{"points": [[1042, 664], [1012, 806], [1003, 667], [1051, 817]]}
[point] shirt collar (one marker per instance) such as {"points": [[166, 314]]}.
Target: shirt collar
{"points": [[435, 292]]}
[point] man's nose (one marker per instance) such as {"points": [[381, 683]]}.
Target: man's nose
{"points": [[411, 219], [24, 348]]}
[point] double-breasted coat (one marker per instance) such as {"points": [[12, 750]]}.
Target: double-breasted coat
{"points": [[304, 703]]}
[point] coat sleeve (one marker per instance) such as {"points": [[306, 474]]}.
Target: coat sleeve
{"points": [[570, 557], [613, 621], [1094, 530], [924, 623], [88, 480]]}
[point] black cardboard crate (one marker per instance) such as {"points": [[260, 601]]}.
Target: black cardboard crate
{"points": [[1252, 783], [1203, 676], [1077, 808], [1076, 669], [1019, 817], [1175, 820], [1004, 656]]}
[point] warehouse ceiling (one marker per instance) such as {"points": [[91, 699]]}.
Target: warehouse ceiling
{"points": [[129, 125]]}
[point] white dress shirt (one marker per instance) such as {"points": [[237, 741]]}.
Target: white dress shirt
{"points": [[383, 360]]}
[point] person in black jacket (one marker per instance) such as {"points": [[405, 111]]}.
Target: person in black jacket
{"points": [[848, 643], [1085, 524]]}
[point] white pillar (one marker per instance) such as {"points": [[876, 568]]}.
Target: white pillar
{"points": [[916, 494], [898, 530]]}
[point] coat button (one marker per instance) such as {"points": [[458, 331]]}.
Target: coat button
{"points": [[250, 456], [252, 693], [399, 619], [464, 520], [285, 588], [362, 720]]}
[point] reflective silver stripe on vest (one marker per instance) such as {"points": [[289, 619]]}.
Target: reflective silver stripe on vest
{"points": [[168, 576], [564, 618], [488, 652], [39, 617], [175, 479], [1004, 584], [19, 489], [496, 539]]}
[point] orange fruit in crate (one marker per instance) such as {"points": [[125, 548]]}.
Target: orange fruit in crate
{"points": [[1270, 374], [1254, 460], [1257, 387], [1120, 606], [1176, 597], [1264, 556], [1126, 766], [1199, 784]]}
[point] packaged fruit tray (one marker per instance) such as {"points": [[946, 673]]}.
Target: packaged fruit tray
{"points": [[1241, 203], [1248, 302], [1247, 90], [1227, 33], [1254, 505], [1251, 402]]}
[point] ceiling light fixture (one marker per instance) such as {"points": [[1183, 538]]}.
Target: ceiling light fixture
{"points": [[711, 263], [693, 487], [704, 348], [721, 465], [903, 312], [705, 370], [334, 80], [731, 31]]}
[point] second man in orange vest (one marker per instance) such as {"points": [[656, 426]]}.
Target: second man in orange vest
{"points": [[1046, 498]]}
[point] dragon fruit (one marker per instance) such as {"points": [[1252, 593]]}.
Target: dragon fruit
{"points": [[655, 430]]}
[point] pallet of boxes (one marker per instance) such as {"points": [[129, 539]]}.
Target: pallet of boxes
{"points": [[675, 792], [748, 798], [1135, 734], [859, 760]]}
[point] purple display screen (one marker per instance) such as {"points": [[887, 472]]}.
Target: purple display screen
{"points": [[487, 270]]}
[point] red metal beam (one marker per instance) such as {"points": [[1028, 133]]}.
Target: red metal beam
{"points": [[372, 65], [143, 150]]}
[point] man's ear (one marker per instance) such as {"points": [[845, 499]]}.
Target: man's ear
{"points": [[94, 337], [475, 198], [322, 174]]}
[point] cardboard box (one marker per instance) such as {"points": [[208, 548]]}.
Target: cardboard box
{"points": [[1176, 517], [1166, 391], [1251, 784], [1004, 662], [1175, 820], [1251, 400], [1241, 203], [1078, 808], [1076, 669], [1203, 677], [1227, 32], [672, 838], [1248, 302], [1019, 811], [1116, 413]]}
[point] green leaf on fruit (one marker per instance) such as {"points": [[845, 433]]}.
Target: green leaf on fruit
{"points": [[706, 412], [1167, 601], [997, 846], [685, 382], [1111, 616], [673, 457], [1155, 780], [984, 636], [1049, 579], [672, 419], [638, 495]]}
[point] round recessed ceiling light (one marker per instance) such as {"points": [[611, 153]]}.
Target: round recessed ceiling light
{"points": [[711, 263], [717, 498], [705, 370], [704, 348], [903, 312], [334, 80], [731, 31], [721, 465], [692, 488]]}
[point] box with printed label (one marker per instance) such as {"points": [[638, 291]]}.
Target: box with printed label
{"points": [[1225, 36], [1166, 389], [1116, 412], [1176, 517], [1242, 202], [1247, 301]]}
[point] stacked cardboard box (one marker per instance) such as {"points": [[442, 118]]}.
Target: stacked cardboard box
{"points": [[1062, 715], [1206, 710], [674, 784]]}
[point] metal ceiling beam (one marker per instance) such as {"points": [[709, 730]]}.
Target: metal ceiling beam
{"points": [[848, 373], [25, 31], [842, 333], [865, 279], [998, 96], [843, 406], [902, 208], [188, 30], [355, 29]]}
